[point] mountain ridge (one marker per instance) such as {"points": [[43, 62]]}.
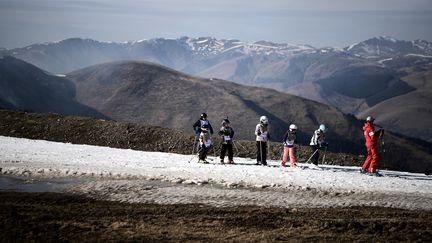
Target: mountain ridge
{"points": [[139, 92], [313, 73]]}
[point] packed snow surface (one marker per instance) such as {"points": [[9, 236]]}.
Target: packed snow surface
{"points": [[123, 174]]}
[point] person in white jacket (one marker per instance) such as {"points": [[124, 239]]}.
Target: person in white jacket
{"points": [[317, 142], [262, 136]]}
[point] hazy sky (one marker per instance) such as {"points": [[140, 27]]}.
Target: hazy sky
{"points": [[319, 23]]}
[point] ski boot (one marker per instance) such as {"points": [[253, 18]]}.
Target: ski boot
{"points": [[231, 162], [375, 174]]}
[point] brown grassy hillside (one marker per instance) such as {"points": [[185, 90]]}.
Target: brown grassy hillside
{"points": [[142, 92], [145, 92]]}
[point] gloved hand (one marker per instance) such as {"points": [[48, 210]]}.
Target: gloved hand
{"points": [[259, 133]]}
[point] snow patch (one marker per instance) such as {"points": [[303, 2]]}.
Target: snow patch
{"points": [[352, 46], [39, 158], [417, 55]]}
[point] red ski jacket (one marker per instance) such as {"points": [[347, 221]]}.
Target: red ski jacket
{"points": [[369, 134]]}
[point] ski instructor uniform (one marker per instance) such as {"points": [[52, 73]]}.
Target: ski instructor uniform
{"points": [[371, 137]]}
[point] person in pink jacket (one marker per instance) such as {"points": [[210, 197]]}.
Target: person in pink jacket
{"points": [[289, 139], [371, 137]]}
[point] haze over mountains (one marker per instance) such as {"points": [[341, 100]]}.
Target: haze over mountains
{"points": [[382, 76]]}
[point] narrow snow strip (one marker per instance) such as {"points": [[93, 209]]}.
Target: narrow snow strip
{"points": [[352, 46], [51, 159], [417, 55], [384, 60]]}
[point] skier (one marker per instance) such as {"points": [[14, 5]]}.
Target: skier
{"points": [[202, 121], [288, 142], [262, 136], [205, 143], [197, 129], [227, 134], [317, 142], [371, 137]]}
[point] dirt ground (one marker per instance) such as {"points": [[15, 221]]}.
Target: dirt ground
{"points": [[61, 217]]}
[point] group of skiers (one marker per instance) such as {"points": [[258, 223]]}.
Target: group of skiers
{"points": [[204, 131]]}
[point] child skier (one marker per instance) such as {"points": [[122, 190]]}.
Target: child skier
{"points": [[262, 136], [227, 134], [202, 121], [205, 143], [289, 139], [371, 137], [317, 142]]}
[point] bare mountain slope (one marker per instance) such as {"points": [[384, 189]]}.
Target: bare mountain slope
{"points": [[410, 113], [26, 87], [144, 92]]}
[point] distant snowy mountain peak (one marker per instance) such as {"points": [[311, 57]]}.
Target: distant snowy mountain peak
{"points": [[386, 47], [205, 46], [387, 38]]}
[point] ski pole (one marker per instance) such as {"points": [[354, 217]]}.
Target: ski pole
{"points": [[268, 148], [283, 148], [194, 144], [311, 156], [235, 147], [193, 155], [239, 144], [323, 159]]}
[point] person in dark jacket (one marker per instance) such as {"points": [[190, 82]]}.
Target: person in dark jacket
{"points": [[227, 133], [202, 121]]}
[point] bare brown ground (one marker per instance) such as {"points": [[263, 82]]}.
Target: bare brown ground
{"points": [[60, 217]]}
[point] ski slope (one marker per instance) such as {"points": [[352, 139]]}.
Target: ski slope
{"points": [[124, 175]]}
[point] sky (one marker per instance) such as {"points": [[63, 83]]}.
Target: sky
{"points": [[320, 23]]}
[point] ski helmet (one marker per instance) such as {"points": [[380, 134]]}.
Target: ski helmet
{"points": [[323, 127], [203, 115], [264, 120], [292, 127], [370, 119], [225, 121]]}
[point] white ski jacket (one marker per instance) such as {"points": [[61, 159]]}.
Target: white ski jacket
{"points": [[318, 138], [261, 132]]}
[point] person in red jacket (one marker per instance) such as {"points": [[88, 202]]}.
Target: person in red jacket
{"points": [[371, 137]]}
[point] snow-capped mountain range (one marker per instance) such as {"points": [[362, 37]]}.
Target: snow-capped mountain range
{"points": [[390, 67], [209, 46], [385, 46]]}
